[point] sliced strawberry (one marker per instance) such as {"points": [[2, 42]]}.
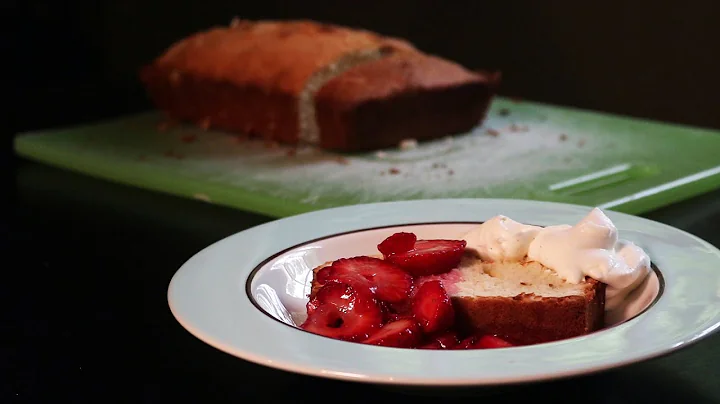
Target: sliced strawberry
{"points": [[483, 342], [339, 311], [492, 341], [312, 305], [430, 257], [390, 283], [397, 243], [446, 340], [468, 343], [403, 333], [390, 314], [432, 308], [321, 276], [353, 279]]}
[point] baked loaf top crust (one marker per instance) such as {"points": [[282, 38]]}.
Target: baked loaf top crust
{"points": [[398, 73], [270, 55]]}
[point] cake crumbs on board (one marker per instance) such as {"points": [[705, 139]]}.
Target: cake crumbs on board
{"points": [[202, 197], [189, 138], [408, 144]]}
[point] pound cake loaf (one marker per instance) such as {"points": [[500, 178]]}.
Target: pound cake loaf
{"points": [[524, 302], [261, 78]]}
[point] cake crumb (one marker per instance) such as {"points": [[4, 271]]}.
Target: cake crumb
{"points": [[380, 154], [408, 144], [342, 160], [519, 128], [563, 137], [204, 124], [202, 197], [271, 144], [189, 138], [581, 143], [492, 132], [394, 171], [164, 126], [172, 154], [451, 172], [504, 112]]}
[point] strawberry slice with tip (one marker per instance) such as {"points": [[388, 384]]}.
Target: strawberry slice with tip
{"points": [[430, 257], [432, 308], [397, 243], [491, 342], [389, 283], [446, 340], [483, 342], [339, 311], [403, 333]]}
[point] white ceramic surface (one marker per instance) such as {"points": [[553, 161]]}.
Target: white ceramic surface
{"points": [[212, 296]]}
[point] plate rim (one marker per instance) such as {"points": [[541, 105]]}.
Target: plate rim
{"points": [[369, 377]]}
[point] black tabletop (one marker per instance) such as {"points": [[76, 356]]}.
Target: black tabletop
{"points": [[90, 321]]}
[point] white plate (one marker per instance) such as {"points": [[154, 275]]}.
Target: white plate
{"points": [[239, 295]]}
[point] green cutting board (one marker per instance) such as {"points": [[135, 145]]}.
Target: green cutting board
{"points": [[523, 150]]}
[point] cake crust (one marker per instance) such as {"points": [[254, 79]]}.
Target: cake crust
{"points": [[405, 95]]}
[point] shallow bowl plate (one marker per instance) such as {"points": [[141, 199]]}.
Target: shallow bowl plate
{"points": [[244, 294]]}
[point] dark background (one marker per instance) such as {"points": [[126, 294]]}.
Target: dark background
{"points": [[88, 311]]}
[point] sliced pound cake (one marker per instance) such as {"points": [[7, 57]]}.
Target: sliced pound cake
{"points": [[524, 301]]}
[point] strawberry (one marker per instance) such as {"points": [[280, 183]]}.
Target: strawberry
{"points": [[390, 314], [483, 342], [321, 276], [432, 308], [339, 311], [403, 333], [468, 343], [446, 340], [390, 283], [397, 243], [492, 341], [430, 257]]}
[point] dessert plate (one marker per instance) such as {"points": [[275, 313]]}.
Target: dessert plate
{"points": [[244, 294]]}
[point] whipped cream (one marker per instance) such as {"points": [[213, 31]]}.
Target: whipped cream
{"points": [[501, 239], [590, 248]]}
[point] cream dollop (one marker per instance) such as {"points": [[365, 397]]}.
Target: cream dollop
{"points": [[501, 239], [589, 248]]}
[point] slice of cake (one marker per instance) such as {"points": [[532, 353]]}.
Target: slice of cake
{"points": [[524, 301]]}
